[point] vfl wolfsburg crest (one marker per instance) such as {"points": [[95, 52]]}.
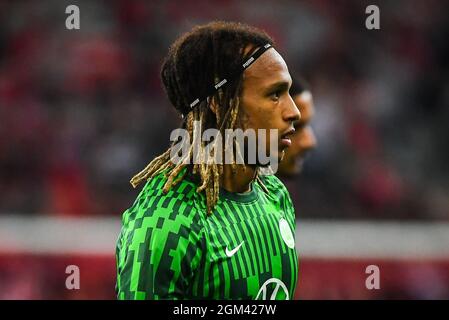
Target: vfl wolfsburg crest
{"points": [[271, 289], [286, 233]]}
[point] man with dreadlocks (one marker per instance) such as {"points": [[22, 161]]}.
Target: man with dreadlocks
{"points": [[208, 230]]}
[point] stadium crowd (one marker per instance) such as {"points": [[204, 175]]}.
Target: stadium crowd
{"points": [[82, 110]]}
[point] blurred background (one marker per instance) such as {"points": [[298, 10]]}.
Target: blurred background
{"points": [[81, 111]]}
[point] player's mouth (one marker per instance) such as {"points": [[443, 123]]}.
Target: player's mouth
{"points": [[286, 140]]}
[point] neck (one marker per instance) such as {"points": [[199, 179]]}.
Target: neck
{"points": [[238, 181]]}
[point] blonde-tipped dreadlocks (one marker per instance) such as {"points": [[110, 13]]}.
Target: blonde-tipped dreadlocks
{"points": [[194, 62]]}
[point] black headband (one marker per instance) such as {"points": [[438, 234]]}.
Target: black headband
{"points": [[224, 81]]}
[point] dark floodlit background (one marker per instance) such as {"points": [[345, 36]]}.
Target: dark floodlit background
{"points": [[81, 111]]}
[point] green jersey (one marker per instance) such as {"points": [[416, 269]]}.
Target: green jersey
{"points": [[169, 248]]}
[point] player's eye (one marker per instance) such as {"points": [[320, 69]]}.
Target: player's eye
{"points": [[275, 95]]}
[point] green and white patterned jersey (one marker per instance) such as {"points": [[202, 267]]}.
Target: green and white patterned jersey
{"points": [[169, 248]]}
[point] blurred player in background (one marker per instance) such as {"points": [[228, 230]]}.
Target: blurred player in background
{"points": [[303, 140], [208, 230]]}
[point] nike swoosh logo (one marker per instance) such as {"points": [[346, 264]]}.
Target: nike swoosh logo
{"points": [[230, 253]]}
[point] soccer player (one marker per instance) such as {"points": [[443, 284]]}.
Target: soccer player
{"points": [[211, 230], [303, 140]]}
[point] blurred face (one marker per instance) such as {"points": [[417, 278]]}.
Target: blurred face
{"points": [[303, 140], [266, 101]]}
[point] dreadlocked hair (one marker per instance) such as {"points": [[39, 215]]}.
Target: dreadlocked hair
{"points": [[196, 61]]}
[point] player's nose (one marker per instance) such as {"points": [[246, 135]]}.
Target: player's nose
{"points": [[291, 112]]}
